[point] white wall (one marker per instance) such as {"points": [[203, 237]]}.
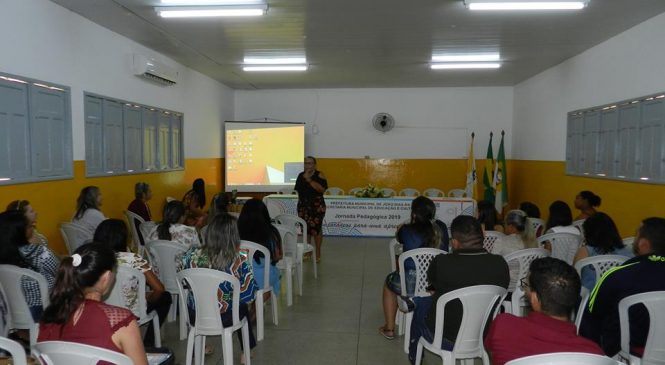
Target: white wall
{"points": [[431, 122], [42, 40], [628, 65]]}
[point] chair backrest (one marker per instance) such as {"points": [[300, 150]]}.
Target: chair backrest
{"points": [[434, 193], [147, 227], [353, 191], [564, 245], [14, 349], [74, 235], [204, 285], [289, 242], [251, 248], [538, 225], [170, 199], [388, 192], [393, 248], [457, 193], [163, 255], [422, 258], [523, 258], [654, 350], [628, 241], [135, 220], [490, 239], [584, 294], [10, 278], [578, 224], [299, 225], [129, 291], [479, 303], [334, 191], [565, 358], [72, 353], [409, 192], [5, 313], [600, 263]]}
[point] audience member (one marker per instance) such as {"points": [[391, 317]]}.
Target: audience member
{"points": [[113, 233], [453, 271], [488, 216], [221, 251], [552, 288], [139, 206], [254, 225], [311, 184], [87, 213], [422, 231], [77, 313], [519, 234], [560, 219], [15, 249], [172, 228], [602, 238], [586, 202], [194, 201], [530, 209], [219, 205], [643, 273], [24, 207]]}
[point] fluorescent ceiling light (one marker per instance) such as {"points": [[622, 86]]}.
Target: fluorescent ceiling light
{"points": [[210, 2], [275, 68], [525, 4], [457, 66], [275, 61], [210, 11], [482, 57]]}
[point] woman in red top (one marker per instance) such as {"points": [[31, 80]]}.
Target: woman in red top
{"points": [[76, 313]]}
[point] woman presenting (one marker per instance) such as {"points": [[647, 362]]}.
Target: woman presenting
{"points": [[310, 185]]}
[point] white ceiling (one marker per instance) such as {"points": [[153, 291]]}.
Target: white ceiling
{"points": [[361, 43]]}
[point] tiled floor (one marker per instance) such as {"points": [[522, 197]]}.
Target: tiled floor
{"points": [[336, 320]]}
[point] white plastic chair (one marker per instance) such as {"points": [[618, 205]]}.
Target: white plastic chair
{"points": [[521, 258], [394, 250], [15, 350], [578, 224], [251, 248], [74, 235], [334, 191], [584, 294], [129, 292], [628, 241], [170, 199], [288, 191], [163, 255], [10, 278], [5, 313], [409, 192], [289, 261], [457, 193], [654, 349], [434, 193], [353, 191], [72, 353], [564, 245], [479, 303], [204, 284], [600, 263], [490, 239], [538, 225], [421, 258], [565, 358], [132, 218], [300, 229], [388, 192]]}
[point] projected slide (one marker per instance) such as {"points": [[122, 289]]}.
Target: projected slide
{"points": [[263, 156]]}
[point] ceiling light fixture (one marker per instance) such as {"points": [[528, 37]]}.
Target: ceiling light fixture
{"points": [[459, 66], [471, 57], [525, 4], [211, 11], [276, 68], [275, 61]]}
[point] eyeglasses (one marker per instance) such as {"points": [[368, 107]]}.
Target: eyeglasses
{"points": [[524, 284]]}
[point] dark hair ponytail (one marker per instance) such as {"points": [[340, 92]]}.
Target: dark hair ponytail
{"points": [[173, 211], [198, 187], [591, 198], [72, 281]]}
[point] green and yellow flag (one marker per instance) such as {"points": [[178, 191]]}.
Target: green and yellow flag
{"points": [[500, 182], [488, 176]]}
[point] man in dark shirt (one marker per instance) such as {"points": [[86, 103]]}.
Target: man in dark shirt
{"points": [[469, 264], [643, 273], [552, 288]]}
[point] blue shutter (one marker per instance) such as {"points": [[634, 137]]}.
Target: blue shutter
{"points": [[49, 131], [176, 142], [629, 117], [164, 140], [607, 143], [94, 142], [590, 142], [650, 159], [14, 130], [133, 140], [149, 118], [113, 137]]}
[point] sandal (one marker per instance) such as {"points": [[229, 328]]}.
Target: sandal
{"points": [[209, 350], [388, 334]]}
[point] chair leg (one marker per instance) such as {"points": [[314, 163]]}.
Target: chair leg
{"points": [[182, 320], [259, 315], [273, 300], [34, 333], [157, 332], [419, 353], [299, 277], [190, 348], [407, 330], [245, 343], [289, 286], [202, 350], [399, 322], [173, 309], [227, 345], [316, 274]]}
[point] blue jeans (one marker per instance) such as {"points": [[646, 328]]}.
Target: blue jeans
{"points": [[419, 327]]}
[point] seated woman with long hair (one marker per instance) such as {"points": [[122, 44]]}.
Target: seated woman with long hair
{"points": [[15, 249], [488, 216], [171, 228], [519, 235], [221, 251], [26, 208], [113, 233], [423, 230], [602, 238], [88, 213], [254, 225], [194, 201], [77, 313]]}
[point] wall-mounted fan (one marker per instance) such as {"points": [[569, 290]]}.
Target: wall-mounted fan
{"points": [[383, 122]]}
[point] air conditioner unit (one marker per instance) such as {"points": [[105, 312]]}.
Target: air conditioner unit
{"points": [[155, 71]]}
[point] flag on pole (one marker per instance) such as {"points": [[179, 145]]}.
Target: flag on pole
{"points": [[488, 173], [471, 176], [500, 181]]}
